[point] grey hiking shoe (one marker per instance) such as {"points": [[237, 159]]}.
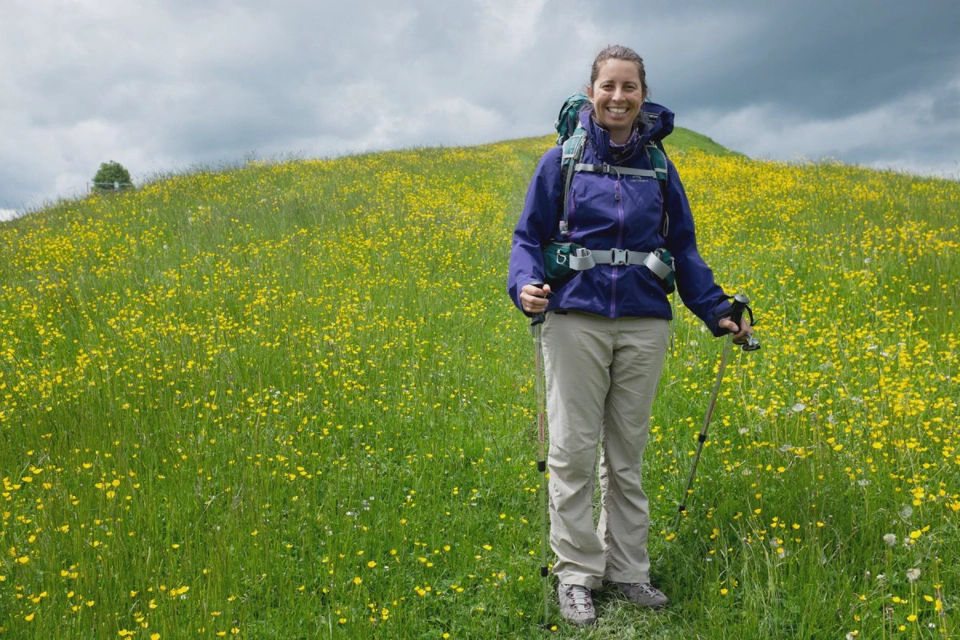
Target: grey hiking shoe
{"points": [[576, 605], [643, 594]]}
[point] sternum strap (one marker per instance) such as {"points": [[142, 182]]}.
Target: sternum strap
{"points": [[615, 171]]}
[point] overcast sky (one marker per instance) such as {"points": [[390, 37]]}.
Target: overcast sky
{"points": [[165, 85]]}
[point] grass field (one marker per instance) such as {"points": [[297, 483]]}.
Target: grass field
{"points": [[293, 401]]}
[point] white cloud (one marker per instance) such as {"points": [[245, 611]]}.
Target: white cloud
{"points": [[767, 131], [7, 214], [510, 27]]}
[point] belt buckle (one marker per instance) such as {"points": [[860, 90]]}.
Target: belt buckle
{"points": [[618, 257]]}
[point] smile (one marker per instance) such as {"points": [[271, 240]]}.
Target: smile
{"points": [[617, 110]]}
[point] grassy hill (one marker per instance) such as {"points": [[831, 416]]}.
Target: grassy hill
{"points": [[685, 141], [293, 401]]}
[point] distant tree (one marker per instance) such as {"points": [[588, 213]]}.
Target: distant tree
{"points": [[110, 175]]}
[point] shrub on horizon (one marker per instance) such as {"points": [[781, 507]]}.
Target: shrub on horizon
{"points": [[111, 175]]}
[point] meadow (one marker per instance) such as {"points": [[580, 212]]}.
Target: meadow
{"points": [[292, 400]]}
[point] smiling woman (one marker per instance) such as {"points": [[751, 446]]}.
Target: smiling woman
{"points": [[605, 330]]}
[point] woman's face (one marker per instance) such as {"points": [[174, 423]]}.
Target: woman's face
{"points": [[617, 96]]}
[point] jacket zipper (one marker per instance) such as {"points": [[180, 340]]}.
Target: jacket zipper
{"points": [[616, 270]]}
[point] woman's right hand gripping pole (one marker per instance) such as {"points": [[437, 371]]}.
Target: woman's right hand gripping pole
{"points": [[534, 296]]}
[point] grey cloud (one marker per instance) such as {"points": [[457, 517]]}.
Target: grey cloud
{"points": [[817, 56], [891, 135]]}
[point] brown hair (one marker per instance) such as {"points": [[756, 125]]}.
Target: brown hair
{"points": [[619, 52]]}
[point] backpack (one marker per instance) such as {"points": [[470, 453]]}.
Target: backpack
{"points": [[573, 138], [564, 259]]}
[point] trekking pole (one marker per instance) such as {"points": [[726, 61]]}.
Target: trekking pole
{"points": [[740, 303], [536, 325]]}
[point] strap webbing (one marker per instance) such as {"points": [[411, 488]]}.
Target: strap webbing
{"points": [[659, 268], [609, 169]]}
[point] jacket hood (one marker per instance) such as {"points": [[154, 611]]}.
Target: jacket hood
{"points": [[656, 122], [658, 119]]}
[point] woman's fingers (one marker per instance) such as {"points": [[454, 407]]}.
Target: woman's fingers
{"points": [[740, 332], [534, 298]]}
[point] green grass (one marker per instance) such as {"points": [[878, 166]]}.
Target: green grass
{"points": [[685, 140], [293, 401]]}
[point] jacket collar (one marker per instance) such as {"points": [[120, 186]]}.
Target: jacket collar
{"points": [[656, 123]]}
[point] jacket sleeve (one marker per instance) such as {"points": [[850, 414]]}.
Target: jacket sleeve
{"points": [[695, 282], [537, 225]]}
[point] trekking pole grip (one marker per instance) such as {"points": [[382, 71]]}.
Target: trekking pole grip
{"points": [[740, 304], [537, 318]]}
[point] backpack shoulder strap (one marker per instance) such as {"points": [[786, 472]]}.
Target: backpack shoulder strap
{"points": [[572, 153], [658, 160]]}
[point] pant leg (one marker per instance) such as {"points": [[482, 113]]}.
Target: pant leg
{"points": [[639, 350], [578, 351]]}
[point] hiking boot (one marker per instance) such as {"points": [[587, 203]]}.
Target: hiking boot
{"points": [[576, 605], [643, 594]]}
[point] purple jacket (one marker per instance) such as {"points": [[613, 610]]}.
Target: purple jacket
{"points": [[607, 211]]}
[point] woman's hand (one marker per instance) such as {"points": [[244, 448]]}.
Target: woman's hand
{"points": [[533, 298], [739, 333]]}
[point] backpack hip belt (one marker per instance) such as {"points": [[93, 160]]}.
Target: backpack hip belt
{"points": [[582, 259], [563, 260]]}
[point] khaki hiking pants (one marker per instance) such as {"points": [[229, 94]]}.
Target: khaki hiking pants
{"points": [[602, 376]]}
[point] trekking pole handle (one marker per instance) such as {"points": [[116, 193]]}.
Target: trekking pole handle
{"points": [[740, 302]]}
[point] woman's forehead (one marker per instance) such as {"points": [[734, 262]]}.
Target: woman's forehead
{"points": [[616, 69]]}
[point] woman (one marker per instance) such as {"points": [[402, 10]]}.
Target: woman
{"points": [[606, 330]]}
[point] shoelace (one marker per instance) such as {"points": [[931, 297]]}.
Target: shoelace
{"points": [[648, 589], [580, 597]]}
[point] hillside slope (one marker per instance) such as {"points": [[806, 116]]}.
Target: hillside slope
{"points": [[293, 400]]}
